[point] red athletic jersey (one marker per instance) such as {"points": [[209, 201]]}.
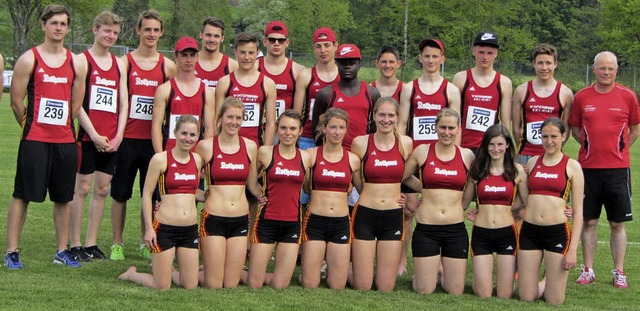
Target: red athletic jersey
{"points": [[382, 167], [179, 178], [315, 85], [438, 174], [101, 102], [396, 93], [423, 110], [226, 169], [359, 108], [535, 110], [49, 117], [177, 105], [210, 78], [480, 109], [550, 180], [142, 89], [255, 108], [285, 85], [331, 176], [495, 190], [282, 182], [603, 120]]}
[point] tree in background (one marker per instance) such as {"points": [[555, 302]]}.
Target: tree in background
{"points": [[187, 16], [24, 14], [620, 28], [129, 10]]}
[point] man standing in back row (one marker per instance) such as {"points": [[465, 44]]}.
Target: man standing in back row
{"points": [[212, 64], [485, 93], [605, 121]]}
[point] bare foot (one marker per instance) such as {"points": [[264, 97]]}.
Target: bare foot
{"points": [[126, 274]]}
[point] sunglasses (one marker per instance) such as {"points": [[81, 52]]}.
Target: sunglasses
{"points": [[280, 40]]}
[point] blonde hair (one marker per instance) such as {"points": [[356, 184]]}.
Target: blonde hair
{"points": [[229, 102], [327, 116], [448, 112], [186, 118], [384, 100], [106, 18]]}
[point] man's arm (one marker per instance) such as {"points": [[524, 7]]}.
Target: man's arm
{"points": [[405, 107], [516, 111], [19, 82], [301, 90], [270, 102], [158, 116], [123, 102], [320, 105], [209, 114], [505, 103]]}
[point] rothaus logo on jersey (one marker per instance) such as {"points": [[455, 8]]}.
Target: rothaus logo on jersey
{"points": [[429, 106], [481, 98], [281, 87], [231, 166], [146, 82], [385, 163], [334, 174], [105, 82], [247, 98], [444, 172], [53, 79], [546, 175], [488, 188], [185, 177], [287, 172]]}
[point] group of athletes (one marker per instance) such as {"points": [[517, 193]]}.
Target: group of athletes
{"points": [[317, 165]]}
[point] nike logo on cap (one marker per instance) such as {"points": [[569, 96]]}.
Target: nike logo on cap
{"points": [[347, 49], [487, 36]]}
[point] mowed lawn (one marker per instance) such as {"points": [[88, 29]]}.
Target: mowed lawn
{"points": [[43, 285]]}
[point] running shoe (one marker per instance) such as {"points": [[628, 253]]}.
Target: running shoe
{"points": [[95, 253], [145, 252], [66, 258], [619, 279], [587, 276], [12, 260], [117, 252], [80, 254]]}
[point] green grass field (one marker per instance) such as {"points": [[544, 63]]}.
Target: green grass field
{"points": [[43, 285]]}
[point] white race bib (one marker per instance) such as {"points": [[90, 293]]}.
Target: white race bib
{"points": [[279, 107], [53, 111], [251, 115], [479, 119], [172, 124], [141, 107], [103, 99], [424, 128], [313, 101], [534, 133]]}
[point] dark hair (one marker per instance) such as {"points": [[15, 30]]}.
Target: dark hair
{"points": [[482, 164], [555, 122], [213, 21], [388, 49], [327, 116], [290, 113], [244, 38], [55, 9], [150, 14], [544, 49]]}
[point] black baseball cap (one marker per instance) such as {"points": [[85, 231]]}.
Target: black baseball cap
{"points": [[486, 39]]}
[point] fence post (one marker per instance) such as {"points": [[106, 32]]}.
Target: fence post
{"points": [[586, 80], [635, 71]]}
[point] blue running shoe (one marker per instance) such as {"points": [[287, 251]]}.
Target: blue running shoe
{"points": [[12, 260], [66, 258]]}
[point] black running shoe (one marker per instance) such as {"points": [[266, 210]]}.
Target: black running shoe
{"points": [[80, 254], [95, 253]]}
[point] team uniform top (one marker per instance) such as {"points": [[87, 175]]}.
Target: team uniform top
{"points": [[179, 178], [48, 116], [331, 176], [604, 121], [285, 85], [282, 182], [142, 88], [177, 105], [253, 97], [210, 78], [382, 167], [535, 110], [496, 190], [359, 109], [101, 102], [425, 108], [396, 93], [315, 85], [438, 174], [550, 180], [228, 169], [480, 107]]}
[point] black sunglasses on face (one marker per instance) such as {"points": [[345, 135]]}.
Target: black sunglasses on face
{"points": [[280, 40]]}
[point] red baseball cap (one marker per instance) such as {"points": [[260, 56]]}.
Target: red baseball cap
{"points": [[186, 43], [426, 42], [324, 34], [276, 27], [347, 51]]}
